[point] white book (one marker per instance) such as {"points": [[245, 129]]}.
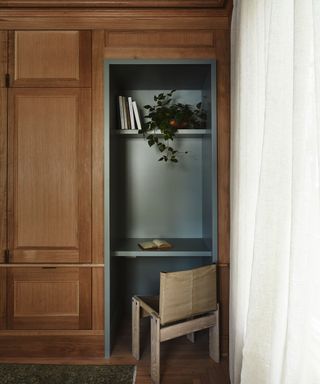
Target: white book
{"points": [[131, 113], [136, 114], [121, 112]]}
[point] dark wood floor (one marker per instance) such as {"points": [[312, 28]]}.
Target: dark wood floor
{"points": [[181, 361]]}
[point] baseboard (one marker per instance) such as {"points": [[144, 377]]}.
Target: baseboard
{"points": [[51, 345]]}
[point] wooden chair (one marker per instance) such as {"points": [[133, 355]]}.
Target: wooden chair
{"points": [[187, 303]]}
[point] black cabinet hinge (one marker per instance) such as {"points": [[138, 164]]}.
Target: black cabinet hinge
{"points": [[7, 80], [7, 256]]}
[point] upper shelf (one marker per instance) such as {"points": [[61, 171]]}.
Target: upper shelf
{"points": [[181, 247], [180, 132]]}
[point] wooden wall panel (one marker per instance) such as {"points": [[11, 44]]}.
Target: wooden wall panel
{"points": [[49, 298], [195, 39], [63, 345], [159, 53], [97, 147], [3, 297], [3, 145], [118, 3], [117, 20], [3, 57], [98, 298], [159, 44], [223, 111], [223, 288], [50, 58], [50, 175], [3, 172]]}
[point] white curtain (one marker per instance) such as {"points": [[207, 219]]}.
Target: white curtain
{"points": [[275, 192]]}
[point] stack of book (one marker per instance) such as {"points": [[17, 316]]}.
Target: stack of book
{"points": [[129, 113]]}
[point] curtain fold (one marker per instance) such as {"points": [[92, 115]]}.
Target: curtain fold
{"points": [[275, 192]]}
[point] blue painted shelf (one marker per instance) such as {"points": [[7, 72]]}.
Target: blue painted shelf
{"points": [[180, 248]]}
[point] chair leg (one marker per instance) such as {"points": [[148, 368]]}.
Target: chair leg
{"points": [[155, 349], [135, 328], [214, 348]]}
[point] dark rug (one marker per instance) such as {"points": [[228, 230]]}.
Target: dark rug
{"points": [[66, 374]]}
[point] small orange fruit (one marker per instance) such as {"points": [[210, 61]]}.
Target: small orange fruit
{"points": [[173, 122]]}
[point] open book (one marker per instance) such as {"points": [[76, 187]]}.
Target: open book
{"points": [[155, 244]]}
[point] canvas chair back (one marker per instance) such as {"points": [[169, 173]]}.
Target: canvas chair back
{"points": [[187, 293]]}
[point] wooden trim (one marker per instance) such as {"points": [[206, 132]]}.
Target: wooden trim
{"points": [[85, 295], [97, 298], [65, 332], [3, 145], [164, 53], [223, 139], [3, 298], [113, 3], [3, 172], [51, 265], [160, 39], [85, 58], [97, 146], [51, 345], [203, 322], [117, 20], [85, 178], [3, 57]]}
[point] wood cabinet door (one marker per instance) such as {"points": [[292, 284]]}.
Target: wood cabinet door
{"points": [[49, 197], [49, 298], [50, 58]]}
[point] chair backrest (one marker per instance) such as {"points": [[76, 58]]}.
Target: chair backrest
{"points": [[187, 293]]}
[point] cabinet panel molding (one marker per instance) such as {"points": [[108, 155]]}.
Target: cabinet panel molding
{"points": [[159, 53], [3, 173], [50, 58], [97, 147], [117, 20], [49, 175], [3, 297], [97, 298], [118, 3], [47, 345], [3, 57], [49, 298], [159, 39]]}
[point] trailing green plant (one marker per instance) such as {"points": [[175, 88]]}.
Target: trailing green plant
{"points": [[167, 117]]}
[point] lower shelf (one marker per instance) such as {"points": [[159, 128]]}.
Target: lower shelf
{"points": [[196, 247]]}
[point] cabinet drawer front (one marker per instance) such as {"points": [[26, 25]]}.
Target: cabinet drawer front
{"points": [[49, 298], [50, 58]]}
